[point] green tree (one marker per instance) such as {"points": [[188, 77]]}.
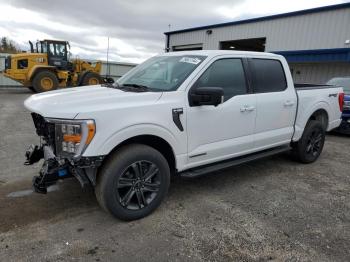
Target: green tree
{"points": [[8, 46]]}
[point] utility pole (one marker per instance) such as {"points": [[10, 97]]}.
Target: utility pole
{"points": [[167, 40], [108, 70]]}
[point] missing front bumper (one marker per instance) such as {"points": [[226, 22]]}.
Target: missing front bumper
{"points": [[49, 174], [83, 169]]}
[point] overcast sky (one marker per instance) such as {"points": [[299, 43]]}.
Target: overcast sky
{"points": [[135, 27]]}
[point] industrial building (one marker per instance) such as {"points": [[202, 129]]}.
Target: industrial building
{"points": [[315, 42]]}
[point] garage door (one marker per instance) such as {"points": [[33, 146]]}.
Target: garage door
{"points": [[188, 47]]}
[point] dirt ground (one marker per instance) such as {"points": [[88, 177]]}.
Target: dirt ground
{"points": [[272, 209]]}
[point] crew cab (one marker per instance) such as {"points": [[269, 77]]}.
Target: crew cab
{"points": [[182, 113]]}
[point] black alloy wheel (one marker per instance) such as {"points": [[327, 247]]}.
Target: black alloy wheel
{"points": [[133, 181], [314, 143], [138, 185], [310, 145]]}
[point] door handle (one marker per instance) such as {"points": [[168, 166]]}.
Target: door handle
{"points": [[288, 103], [247, 108], [250, 108]]}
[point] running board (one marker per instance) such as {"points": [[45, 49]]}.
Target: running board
{"points": [[203, 170]]}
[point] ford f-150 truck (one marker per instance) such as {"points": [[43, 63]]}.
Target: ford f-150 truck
{"points": [[182, 113]]}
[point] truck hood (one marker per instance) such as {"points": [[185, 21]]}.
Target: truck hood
{"points": [[68, 103]]}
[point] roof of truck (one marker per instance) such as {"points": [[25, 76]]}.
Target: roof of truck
{"points": [[212, 53]]}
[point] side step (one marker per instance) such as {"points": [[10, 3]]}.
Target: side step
{"points": [[203, 170]]}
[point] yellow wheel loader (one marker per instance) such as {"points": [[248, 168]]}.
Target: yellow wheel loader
{"points": [[48, 67]]}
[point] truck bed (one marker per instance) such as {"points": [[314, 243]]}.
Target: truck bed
{"points": [[309, 101], [307, 86]]}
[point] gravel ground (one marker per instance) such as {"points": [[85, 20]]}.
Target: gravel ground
{"points": [[272, 209]]}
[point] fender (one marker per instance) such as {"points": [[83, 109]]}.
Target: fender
{"points": [[32, 71], [117, 138], [304, 117]]}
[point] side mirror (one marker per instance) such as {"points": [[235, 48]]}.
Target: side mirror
{"points": [[108, 80], [211, 96]]}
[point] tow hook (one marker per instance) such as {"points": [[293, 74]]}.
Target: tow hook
{"points": [[33, 154]]}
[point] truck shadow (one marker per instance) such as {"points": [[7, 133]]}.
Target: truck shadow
{"points": [[20, 206]]}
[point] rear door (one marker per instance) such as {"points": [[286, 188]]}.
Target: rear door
{"points": [[224, 131], [276, 103]]}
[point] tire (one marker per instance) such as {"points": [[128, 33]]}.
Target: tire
{"points": [[125, 195], [310, 145], [31, 89], [45, 81], [92, 78]]}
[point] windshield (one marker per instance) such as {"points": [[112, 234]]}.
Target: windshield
{"points": [[343, 82], [162, 73]]}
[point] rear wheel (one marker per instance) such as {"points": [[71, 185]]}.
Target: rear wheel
{"points": [[45, 81], [310, 145], [92, 78], [133, 182]]}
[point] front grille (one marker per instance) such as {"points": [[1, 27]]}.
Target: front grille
{"points": [[44, 129], [8, 62]]}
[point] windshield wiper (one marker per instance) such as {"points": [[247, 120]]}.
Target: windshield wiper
{"points": [[140, 88], [108, 85], [128, 87]]}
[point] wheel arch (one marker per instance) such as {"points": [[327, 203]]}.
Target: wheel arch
{"points": [[152, 135], [153, 141], [38, 68], [320, 115], [320, 111]]}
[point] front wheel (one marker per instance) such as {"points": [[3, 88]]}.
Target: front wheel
{"points": [[45, 81], [133, 182], [310, 145], [92, 78]]}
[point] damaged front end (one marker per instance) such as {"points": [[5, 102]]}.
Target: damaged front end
{"points": [[61, 147]]}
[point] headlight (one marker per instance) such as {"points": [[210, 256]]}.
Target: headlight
{"points": [[73, 136]]}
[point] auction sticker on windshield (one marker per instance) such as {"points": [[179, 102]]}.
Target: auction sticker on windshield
{"points": [[191, 60]]}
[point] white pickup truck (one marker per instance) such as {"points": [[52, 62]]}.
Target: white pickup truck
{"points": [[182, 113]]}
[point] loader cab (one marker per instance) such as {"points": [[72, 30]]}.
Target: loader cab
{"points": [[57, 52]]}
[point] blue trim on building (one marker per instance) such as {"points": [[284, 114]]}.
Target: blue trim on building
{"points": [[264, 18], [317, 55]]}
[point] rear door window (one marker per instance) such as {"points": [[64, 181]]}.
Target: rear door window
{"points": [[268, 76]]}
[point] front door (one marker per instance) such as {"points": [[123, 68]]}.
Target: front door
{"points": [[224, 131], [57, 54]]}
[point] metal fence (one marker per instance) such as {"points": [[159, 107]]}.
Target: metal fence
{"points": [[114, 70]]}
